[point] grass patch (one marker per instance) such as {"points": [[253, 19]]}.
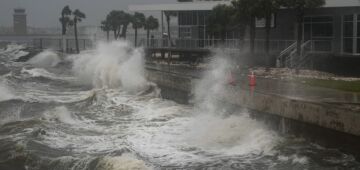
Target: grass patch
{"points": [[351, 86]]}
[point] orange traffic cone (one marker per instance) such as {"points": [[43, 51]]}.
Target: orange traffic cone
{"points": [[252, 79]]}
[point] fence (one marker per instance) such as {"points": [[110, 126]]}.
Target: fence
{"points": [[275, 45], [56, 44]]}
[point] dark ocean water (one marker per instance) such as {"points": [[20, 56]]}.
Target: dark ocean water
{"points": [[57, 113]]}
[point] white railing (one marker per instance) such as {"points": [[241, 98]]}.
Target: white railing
{"points": [[275, 45], [289, 57], [322, 46], [285, 55], [56, 44]]}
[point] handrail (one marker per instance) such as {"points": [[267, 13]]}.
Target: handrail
{"points": [[288, 49], [237, 44]]}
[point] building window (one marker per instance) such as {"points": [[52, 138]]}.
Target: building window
{"points": [[188, 18], [348, 32], [319, 29], [185, 32], [202, 18], [351, 34], [260, 22]]}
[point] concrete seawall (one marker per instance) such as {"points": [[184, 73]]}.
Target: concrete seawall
{"points": [[316, 113], [173, 86], [178, 87]]}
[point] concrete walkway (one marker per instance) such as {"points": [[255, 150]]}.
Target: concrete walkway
{"points": [[302, 91], [283, 88]]}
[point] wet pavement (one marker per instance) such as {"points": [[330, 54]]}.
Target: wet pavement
{"points": [[284, 88]]}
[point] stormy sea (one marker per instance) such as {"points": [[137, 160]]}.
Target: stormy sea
{"points": [[97, 110]]}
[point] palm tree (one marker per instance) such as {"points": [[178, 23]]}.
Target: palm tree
{"points": [[125, 20], [65, 21], [168, 15], [119, 21], [78, 16], [113, 19], [138, 21], [248, 11], [105, 26], [299, 6], [151, 23], [219, 20]]}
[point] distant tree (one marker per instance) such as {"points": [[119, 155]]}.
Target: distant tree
{"points": [[299, 6], [114, 21], [65, 18], [106, 27], [78, 16], [151, 23], [65, 22], [168, 15], [248, 11], [138, 21], [125, 20], [119, 21], [219, 20]]}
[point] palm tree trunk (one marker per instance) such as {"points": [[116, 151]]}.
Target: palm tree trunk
{"points": [[267, 39], [115, 36], [63, 34], [63, 43], [168, 28], [118, 35], [135, 43], [169, 38], [76, 38], [123, 33], [107, 35], [223, 36], [63, 24], [252, 35], [147, 37]]}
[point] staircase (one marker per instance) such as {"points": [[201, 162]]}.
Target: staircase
{"points": [[290, 59]]}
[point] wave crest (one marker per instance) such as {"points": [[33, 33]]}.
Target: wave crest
{"points": [[123, 162], [45, 59], [115, 64]]}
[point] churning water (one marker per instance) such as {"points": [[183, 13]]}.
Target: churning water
{"points": [[96, 110]]}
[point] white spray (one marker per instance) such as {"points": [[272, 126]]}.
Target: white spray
{"points": [[218, 131], [5, 93], [210, 88], [45, 59], [112, 65]]}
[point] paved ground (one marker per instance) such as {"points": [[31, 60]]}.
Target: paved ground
{"points": [[279, 87]]}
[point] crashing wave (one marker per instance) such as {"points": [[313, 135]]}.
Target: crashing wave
{"points": [[123, 162], [14, 51], [45, 59], [113, 65], [5, 93], [60, 114], [42, 73]]}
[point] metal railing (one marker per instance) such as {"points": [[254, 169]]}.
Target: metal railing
{"points": [[322, 46], [57, 44], [284, 55], [275, 45], [289, 57]]}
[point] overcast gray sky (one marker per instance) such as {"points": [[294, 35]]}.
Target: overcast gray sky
{"points": [[45, 13]]}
